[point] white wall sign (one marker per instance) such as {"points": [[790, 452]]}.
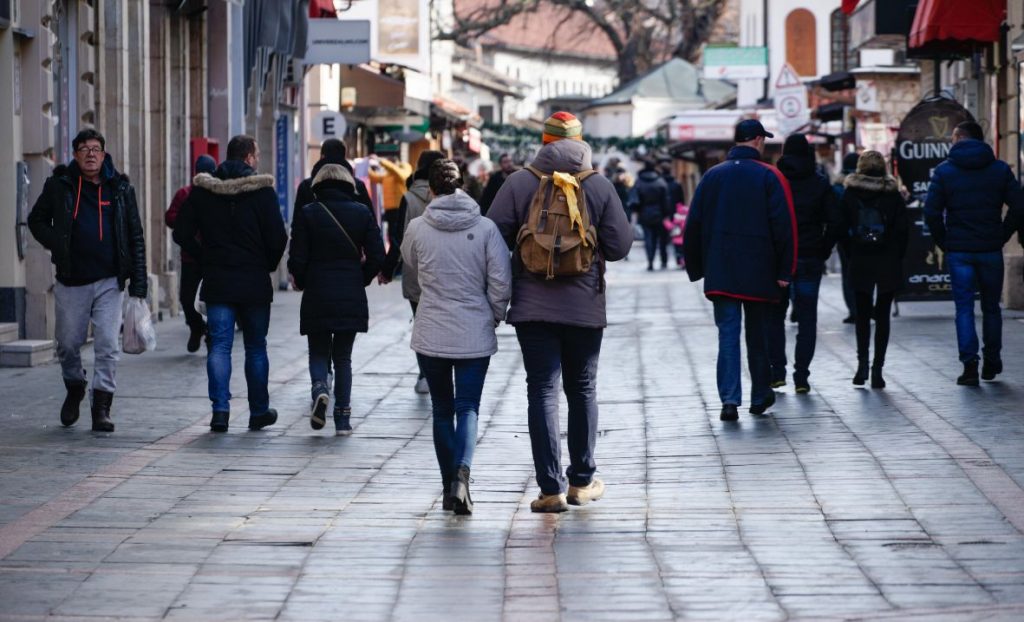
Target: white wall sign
{"points": [[867, 96], [328, 124], [790, 101], [331, 41]]}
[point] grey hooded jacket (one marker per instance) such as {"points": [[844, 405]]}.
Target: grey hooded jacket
{"points": [[416, 200], [464, 276], [575, 300]]}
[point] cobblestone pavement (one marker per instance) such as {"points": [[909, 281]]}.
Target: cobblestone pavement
{"points": [[846, 503]]}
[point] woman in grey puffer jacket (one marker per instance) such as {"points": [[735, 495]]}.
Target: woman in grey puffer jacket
{"points": [[465, 279]]}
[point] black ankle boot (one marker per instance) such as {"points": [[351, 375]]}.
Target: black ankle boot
{"points": [[461, 501], [69, 410], [342, 425], [970, 376], [877, 381], [862, 373], [219, 421], [447, 502], [101, 401]]}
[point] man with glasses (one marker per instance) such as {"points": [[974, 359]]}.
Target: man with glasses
{"points": [[88, 219]]}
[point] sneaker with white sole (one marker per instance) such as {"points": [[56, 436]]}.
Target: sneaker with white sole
{"points": [[318, 411], [582, 495], [549, 503], [421, 386]]}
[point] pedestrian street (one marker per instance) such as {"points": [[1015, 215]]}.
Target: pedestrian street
{"points": [[846, 503]]}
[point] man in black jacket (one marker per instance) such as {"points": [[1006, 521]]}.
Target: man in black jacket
{"points": [[332, 151], [650, 199], [88, 219], [232, 225], [506, 168]]}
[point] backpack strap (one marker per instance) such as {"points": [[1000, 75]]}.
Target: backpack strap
{"points": [[536, 171]]}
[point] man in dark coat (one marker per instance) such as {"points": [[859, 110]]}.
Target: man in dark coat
{"points": [[817, 221], [88, 218], [232, 225], [497, 178], [651, 199], [332, 151], [964, 212], [740, 240], [190, 275]]}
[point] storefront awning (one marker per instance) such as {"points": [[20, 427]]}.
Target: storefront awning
{"points": [[952, 26]]}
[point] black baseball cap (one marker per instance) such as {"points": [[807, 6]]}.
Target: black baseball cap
{"points": [[749, 129]]}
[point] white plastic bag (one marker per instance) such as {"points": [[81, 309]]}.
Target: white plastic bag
{"points": [[139, 333]]}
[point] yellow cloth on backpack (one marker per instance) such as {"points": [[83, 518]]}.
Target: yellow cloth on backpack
{"points": [[568, 185]]}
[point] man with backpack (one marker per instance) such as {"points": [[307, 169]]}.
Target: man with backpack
{"points": [[651, 200], [964, 212], [563, 222], [740, 239]]}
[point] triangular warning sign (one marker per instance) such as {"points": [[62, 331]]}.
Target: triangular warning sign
{"points": [[787, 78]]}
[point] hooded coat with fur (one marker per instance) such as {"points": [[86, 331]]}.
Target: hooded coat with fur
{"points": [[232, 225], [571, 300], [871, 266], [464, 274]]}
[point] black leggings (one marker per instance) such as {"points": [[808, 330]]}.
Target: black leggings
{"points": [[880, 311]]}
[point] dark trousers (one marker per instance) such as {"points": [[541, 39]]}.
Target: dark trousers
{"points": [[455, 389], [881, 311], [551, 351], [803, 291], [775, 335], [414, 304], [395, 221], [188, 287], [729, 314], [848, 294], [325, 348], [656, 241], [971, 273]]}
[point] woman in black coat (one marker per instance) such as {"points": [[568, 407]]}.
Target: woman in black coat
{"points": [[876, 226], [336, 251]]}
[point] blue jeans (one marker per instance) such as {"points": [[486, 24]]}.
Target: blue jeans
{"points": [[806, 284], [971, 272], [729, 313], [455, 388], [551, 351], [336, 348], [220, 322]]}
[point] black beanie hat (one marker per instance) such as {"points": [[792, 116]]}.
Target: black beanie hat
{"points": [[796, 145], [850, 162]]}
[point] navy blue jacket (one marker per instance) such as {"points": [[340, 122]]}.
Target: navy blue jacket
{"points": [[964, 208], [740, 231]]}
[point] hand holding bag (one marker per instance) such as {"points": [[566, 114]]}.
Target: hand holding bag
{"points": [[139, 333]]}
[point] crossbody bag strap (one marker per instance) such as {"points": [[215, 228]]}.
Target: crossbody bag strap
{"points": [[341, 228]]}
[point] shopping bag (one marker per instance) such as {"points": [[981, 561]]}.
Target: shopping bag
{"points": [[139, 333]]}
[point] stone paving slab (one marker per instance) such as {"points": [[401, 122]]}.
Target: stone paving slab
{"points": [[845, 503]]}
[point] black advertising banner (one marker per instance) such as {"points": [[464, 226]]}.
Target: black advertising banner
{"points": [[923, 142]]}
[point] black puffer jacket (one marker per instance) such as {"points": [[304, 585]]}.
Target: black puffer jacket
{"points": [[51, 223], [327, 266], [815, 206], [234, 213], [650, 198]]}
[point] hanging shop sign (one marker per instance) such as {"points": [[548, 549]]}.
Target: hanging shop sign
{"points": [[922, 143]]}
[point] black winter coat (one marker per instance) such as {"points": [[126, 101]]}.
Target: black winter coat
{"points": [[882, 266], [304, 193], [650, 198], [815, 206], [232, 225], [328, 267], [964, 208], [51, 223]]}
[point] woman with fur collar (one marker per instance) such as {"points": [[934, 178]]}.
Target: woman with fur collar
{"points": [[876, 226]]}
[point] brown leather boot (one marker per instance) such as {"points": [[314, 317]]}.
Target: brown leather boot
{"points": [[69, 410], [101, 401]]}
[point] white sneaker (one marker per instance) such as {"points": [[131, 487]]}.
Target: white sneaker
{"points": [[421, 386]]}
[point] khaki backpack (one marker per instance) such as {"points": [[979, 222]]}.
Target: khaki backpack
{"points": [[548, 243]]}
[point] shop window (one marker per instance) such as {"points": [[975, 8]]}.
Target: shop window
{"points": [[843, 58], [801, 42], [487, 113]]}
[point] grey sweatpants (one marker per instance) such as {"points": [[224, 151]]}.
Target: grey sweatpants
{"points": [[100, 302]]}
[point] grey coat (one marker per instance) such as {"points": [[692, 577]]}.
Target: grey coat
{"points": [[576, 300], [464, 274], [416, 200]]}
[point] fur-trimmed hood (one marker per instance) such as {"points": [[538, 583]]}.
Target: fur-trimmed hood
{"points": [[870, 183], [238, 185]]}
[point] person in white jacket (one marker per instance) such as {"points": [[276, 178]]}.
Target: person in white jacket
{"points": [[465, 278]]}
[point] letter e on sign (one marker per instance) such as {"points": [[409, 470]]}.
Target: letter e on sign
{"points": [[328, 124]]}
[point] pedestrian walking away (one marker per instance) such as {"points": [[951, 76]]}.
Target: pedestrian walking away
{"points": [[233, 226], [464, 276], [817, 220], [964, 213], [651, 200], [88, 218], [414, 202], [741, 239], [336, 250], [332, 151], [391, 174], [876, 228], [842, 244], [190, 274], [498, 177], [560, 319]]}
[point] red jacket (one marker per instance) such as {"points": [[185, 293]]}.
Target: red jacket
{"points": [[171, 216]]}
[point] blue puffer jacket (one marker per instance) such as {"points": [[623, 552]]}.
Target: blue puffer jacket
{"points": [[964, 208], [740, 231]]}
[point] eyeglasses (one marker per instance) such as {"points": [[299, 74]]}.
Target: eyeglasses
{"points": [[90, 150]]}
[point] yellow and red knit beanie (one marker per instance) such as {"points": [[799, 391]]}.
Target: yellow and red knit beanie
{"points": [[562, 125]]}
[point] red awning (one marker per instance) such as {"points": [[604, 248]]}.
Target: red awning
{"points": [[322, 8], [849, 6], [955, 25]]}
